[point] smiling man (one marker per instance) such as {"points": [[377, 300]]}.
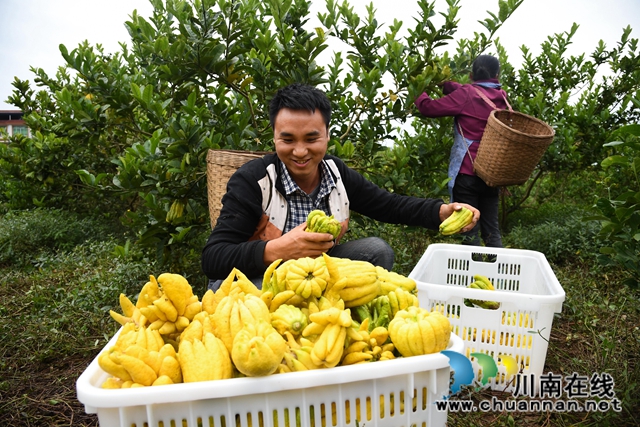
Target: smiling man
{"points": [[264, 211]]}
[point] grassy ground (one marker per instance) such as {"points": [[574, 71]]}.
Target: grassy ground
{"points": [[54, 320]]}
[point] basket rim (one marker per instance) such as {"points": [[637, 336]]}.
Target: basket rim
{"points": [[213, 155], [221, 164], [493, 120], [90, 393], [556, 293]]}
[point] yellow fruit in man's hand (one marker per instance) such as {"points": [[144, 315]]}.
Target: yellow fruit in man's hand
{"points": [[319, 222], [457, 221]]}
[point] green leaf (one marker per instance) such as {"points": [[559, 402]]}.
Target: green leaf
{"points": [[86, 177], [614, 160], [147, 95], [632, 129]]}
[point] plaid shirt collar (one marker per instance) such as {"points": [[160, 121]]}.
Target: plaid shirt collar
{"points": [[301, 203], [326, 181]]}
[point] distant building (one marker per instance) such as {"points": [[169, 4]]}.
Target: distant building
{"points": [[12, 124]]}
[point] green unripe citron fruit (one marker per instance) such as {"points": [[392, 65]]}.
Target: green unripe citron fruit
{"points": [[288, 318], [319, 222]]}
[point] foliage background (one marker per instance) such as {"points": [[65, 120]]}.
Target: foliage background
{"points": [[111, 187], [125, 135]]}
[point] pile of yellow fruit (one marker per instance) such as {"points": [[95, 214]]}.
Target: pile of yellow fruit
{"points": [[311, 313]]}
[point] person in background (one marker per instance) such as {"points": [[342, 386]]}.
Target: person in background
{"points": [[470, 106], [264, 210]]}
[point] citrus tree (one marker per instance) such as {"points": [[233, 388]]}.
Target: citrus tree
{"points": [[126, 134], [620, 208], [585, 98]]}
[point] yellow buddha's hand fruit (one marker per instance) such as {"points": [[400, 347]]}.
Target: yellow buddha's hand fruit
{"points": [[399, 299], [319, 222], [307, 277], [204, 360], [361, 281], [140, 372], [288, 318], [177, 289], [233, 312], [482, 283], [258, 349], [457, 221], [390, 281], [416, 331]]}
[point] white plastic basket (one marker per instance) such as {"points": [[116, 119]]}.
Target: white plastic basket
{"points": [[526, 288], [391, 393]]}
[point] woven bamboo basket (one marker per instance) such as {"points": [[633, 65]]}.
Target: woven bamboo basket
{"points": [[221, 164], [512, 145]]}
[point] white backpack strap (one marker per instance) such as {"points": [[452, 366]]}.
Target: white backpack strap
{"points": [[338, 199], [274, 205]]}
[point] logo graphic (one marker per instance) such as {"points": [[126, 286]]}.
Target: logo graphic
{"points": [[511, 364], [463, 369], [488, 366]]}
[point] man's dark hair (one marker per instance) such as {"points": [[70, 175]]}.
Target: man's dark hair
{"points": [[485, 67], [299, 96]]}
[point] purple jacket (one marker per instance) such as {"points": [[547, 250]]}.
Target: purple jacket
{"points": [[470, 112], [462, 102]]}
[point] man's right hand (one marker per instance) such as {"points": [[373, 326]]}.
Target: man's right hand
{"points": [[297, 243]]}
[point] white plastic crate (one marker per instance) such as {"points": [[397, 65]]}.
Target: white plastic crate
{"points": [[526, 288], [395, 393]]}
